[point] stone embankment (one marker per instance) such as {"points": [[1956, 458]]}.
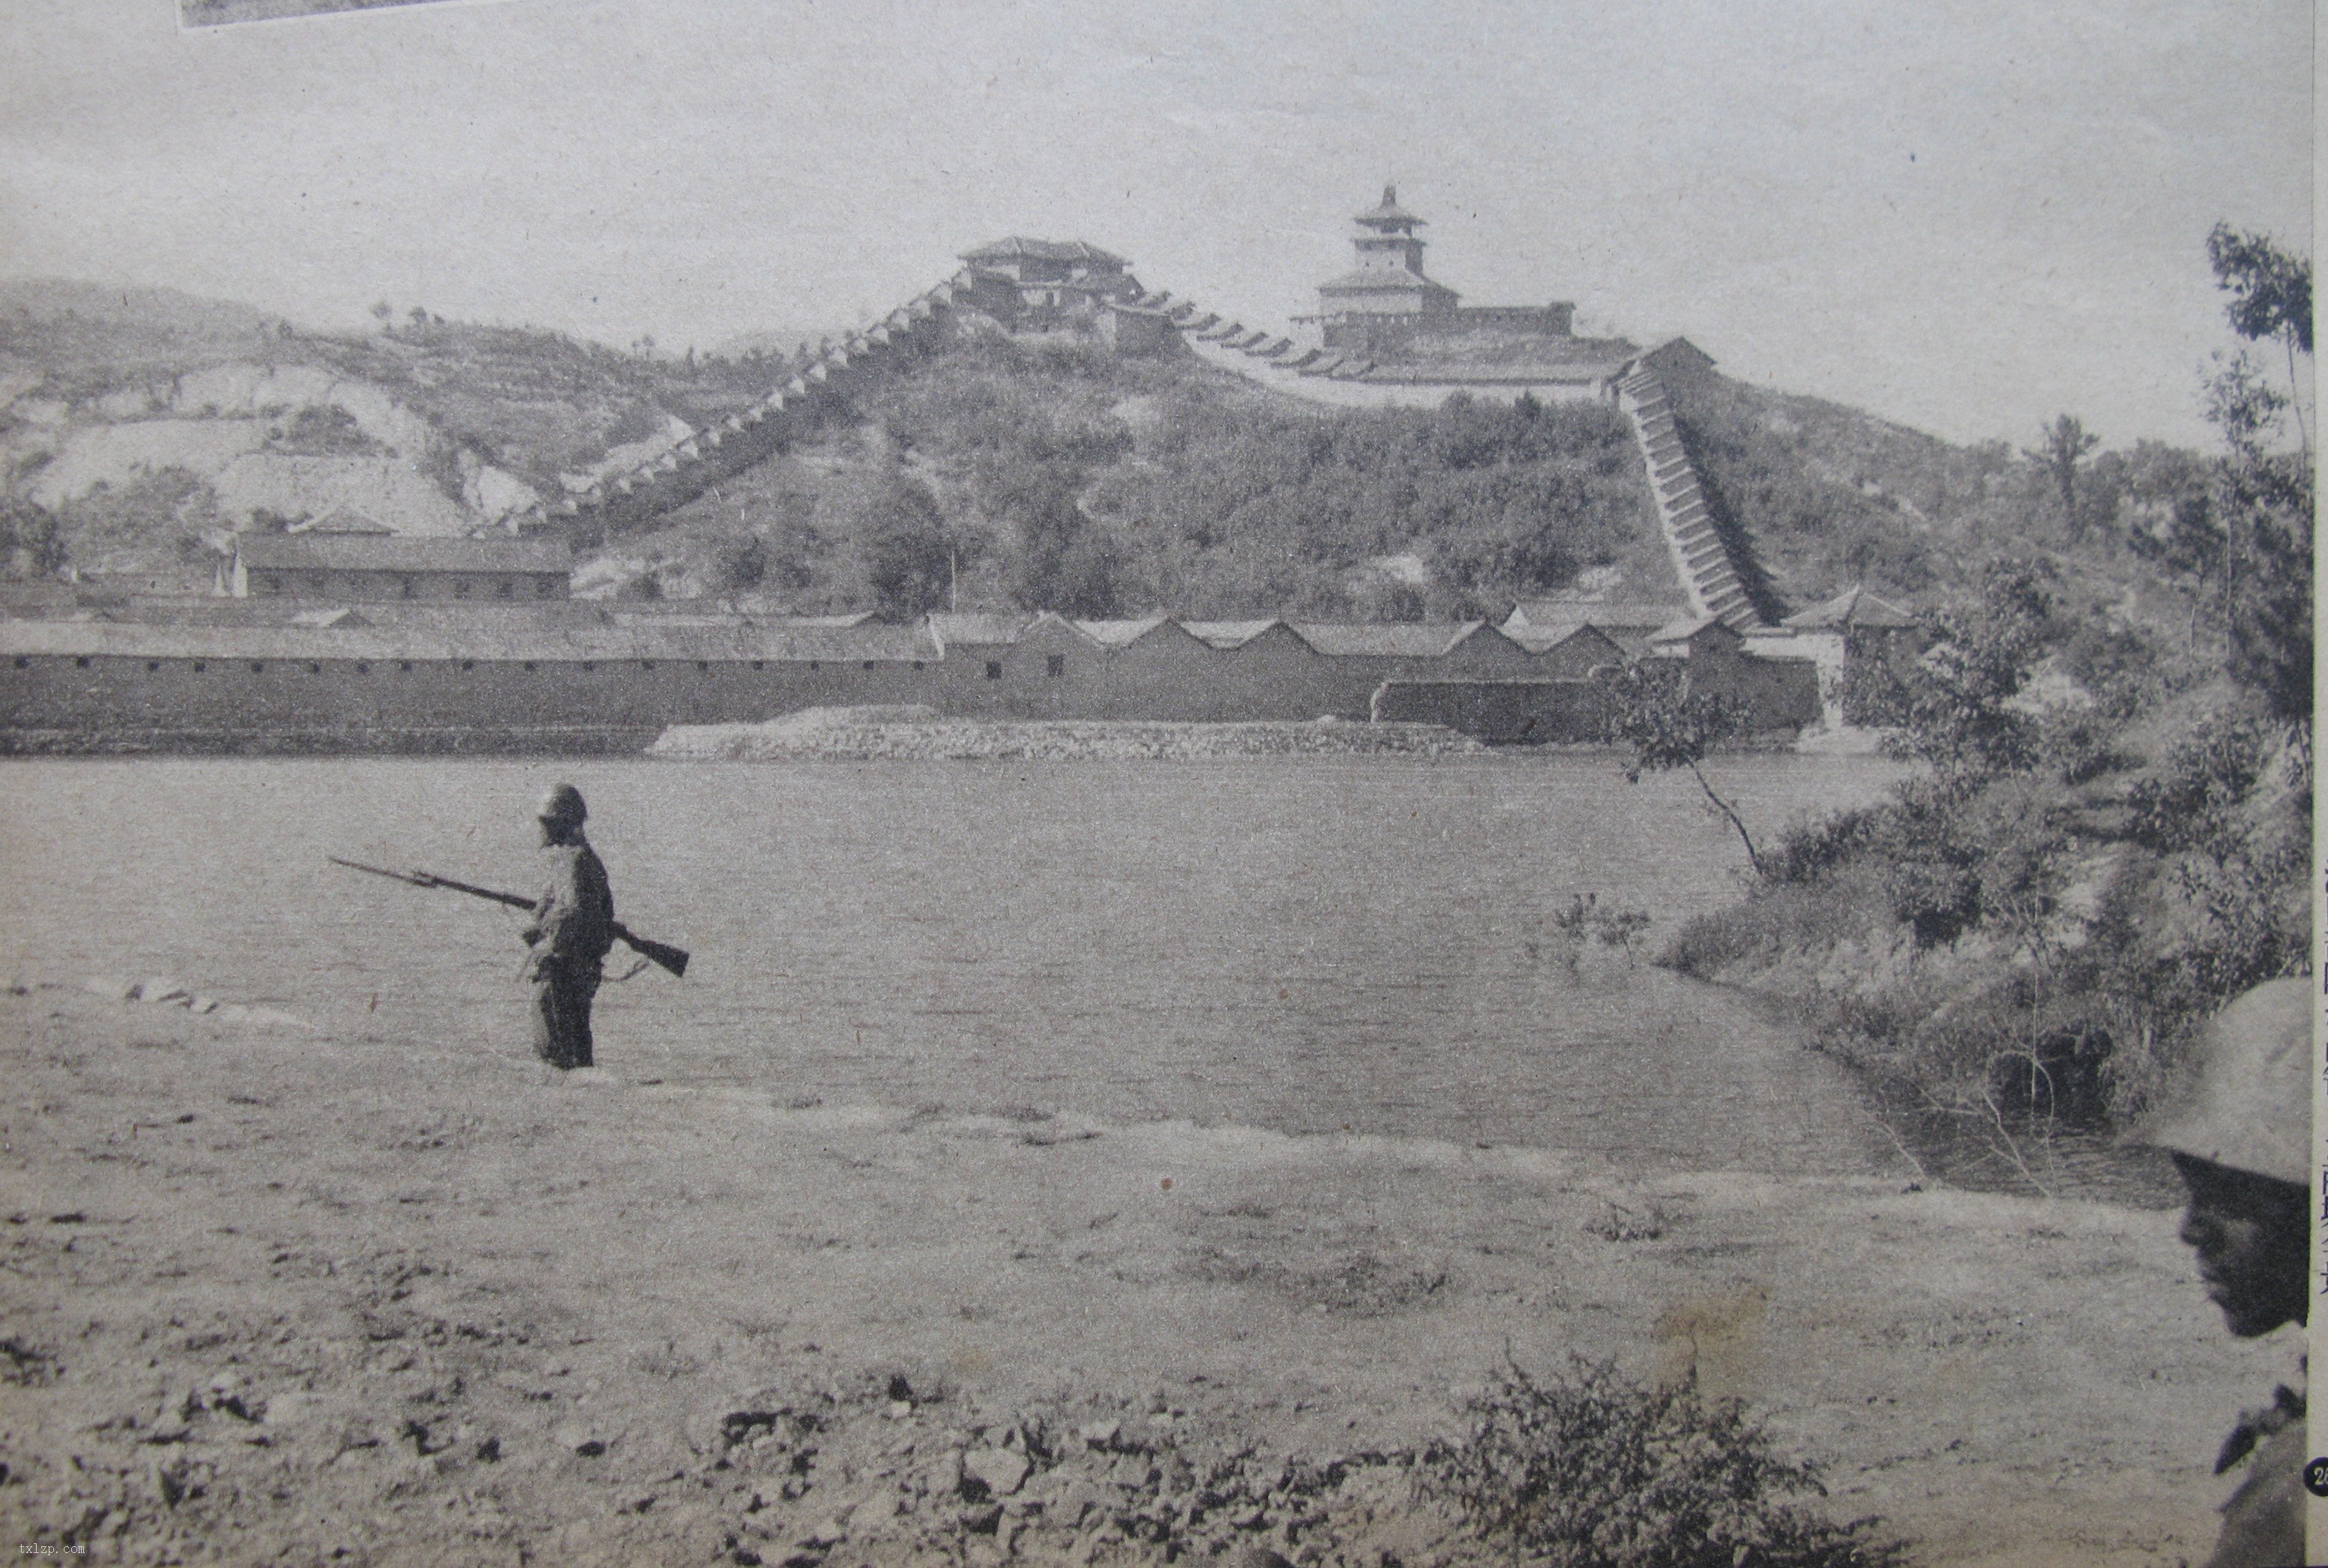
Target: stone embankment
{"points": [[921, 735], [354, 741]]}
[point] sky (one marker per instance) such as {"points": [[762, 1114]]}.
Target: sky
{"points": [[1966, 215]]}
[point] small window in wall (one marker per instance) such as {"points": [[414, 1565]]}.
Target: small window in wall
{"points": [[258, 667], [704, 664], [153, 665], [994, 669], [505, 588], [589, 664], [869, 664], [467, 665], [411, 589], [527, 666], [199, 667], [314, 669], [363, 668], [1055, 665], [918, 664], [24, 663], [646, 663], [759, 664], [404, 666], [81, 663], [816, 664]]}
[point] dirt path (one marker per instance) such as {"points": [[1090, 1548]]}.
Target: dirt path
{"points": [[273, 1297]]}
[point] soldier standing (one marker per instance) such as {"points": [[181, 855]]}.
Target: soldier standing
{"points": [[2240, 1132], [572, 930]]}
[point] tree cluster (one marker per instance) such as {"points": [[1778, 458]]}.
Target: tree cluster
{"points": [[2107, 833]]}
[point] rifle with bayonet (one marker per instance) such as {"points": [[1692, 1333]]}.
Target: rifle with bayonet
{"points": [[660, 953]]}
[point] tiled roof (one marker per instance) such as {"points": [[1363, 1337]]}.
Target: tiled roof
{"points": [[1120, 633], [401, 552], [1854, 606], [1018, 248], [1383, 639], [1565, 615], [1682, 628], [1226, 633], [343, 520], [948, 629], [1373, 281], [1388, 210], [1541, 640]]}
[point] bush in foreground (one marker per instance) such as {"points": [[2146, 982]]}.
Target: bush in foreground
{"points": [[1586, 1469]]}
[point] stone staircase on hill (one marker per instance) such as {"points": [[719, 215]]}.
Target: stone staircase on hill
{"points": [[688, 468], [672, 478], [1700, 555]]}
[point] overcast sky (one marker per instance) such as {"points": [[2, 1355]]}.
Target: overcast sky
{"points": [[1965, 216]]}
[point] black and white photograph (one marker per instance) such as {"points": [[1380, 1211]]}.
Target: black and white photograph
{"points": [[1293, 785]]}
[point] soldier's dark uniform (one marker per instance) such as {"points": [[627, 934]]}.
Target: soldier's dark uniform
{"points": [[2263, 1522], [572, 930]]}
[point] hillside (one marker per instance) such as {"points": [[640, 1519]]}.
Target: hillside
{"points": [[995, 472], [1055, 475], [1831, 495], [143, 420]]}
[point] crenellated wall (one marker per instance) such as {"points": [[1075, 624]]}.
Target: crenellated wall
{"points": [[688, 468]]}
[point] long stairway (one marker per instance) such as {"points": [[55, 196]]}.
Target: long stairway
{"points": [[684, 471], [1700, 557]]}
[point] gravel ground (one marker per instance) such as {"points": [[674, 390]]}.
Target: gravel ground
{"points": [[272, 1296]]}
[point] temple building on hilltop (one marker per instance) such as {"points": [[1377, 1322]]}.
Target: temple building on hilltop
{"points": [[1388, 304], [1030, 284]]}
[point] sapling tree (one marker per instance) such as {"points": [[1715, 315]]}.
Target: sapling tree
{"points": [[1954, 708], [1665, 724], [2065, 445], [2271, 296], [2264, 497]]}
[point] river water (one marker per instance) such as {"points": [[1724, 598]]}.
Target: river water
{"points": [[1303, 944]]}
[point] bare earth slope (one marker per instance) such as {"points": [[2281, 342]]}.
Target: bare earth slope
{"points": [[276, 1296]]}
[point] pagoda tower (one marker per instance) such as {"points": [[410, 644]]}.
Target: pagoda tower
{"points": [[1379, 306], [1386, 237]]}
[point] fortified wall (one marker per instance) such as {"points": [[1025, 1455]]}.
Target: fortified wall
{"points": [[521, 674], [1386, 334]]}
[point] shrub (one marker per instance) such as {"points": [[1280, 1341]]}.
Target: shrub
{"points": [[1586, 1469], [1779, 920], [1809, 851]]}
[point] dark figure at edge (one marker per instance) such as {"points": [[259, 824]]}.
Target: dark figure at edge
{"points": [[2240, 1132], [572, 930]]}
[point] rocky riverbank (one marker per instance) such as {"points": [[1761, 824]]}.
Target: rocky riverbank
{"points": [[921, 734], [276, 1293]]}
